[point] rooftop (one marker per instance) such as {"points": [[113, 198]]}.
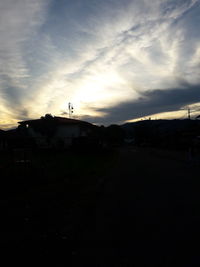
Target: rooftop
{"points": [[55, 120]]}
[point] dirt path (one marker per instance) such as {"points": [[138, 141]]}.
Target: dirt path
{"points": [[148, 215]]}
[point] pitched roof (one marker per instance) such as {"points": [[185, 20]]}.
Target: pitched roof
{"points": [[56, 121], [62, 120]]}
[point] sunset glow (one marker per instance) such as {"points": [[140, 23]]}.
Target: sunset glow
{"points": [[103, 56]]}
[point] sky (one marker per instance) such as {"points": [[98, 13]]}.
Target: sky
{"points": [[114, 60]]}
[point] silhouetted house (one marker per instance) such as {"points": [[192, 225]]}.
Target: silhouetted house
{"points": [[164, 133], [56, 132], [198, 117], [3, 140]]}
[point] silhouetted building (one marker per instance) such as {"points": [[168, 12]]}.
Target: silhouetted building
{"points": [[3, 140], [56, 132], [165, 133], [198, 117]]}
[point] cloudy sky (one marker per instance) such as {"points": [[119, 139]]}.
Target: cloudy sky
{"points": [[115, 60]]}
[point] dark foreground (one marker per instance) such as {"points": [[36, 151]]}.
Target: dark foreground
{"points": [[142, 210]]}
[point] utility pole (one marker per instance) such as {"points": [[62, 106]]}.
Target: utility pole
{"points": [[188, 113]]}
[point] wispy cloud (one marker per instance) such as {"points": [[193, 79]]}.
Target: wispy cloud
{"points": [[19, 22], [98, 55], [152, 102]]}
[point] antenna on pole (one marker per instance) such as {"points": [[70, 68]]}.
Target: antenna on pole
{"points": [[70, 109]]}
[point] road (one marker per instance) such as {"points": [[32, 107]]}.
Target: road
{"points": [[147, 215]]}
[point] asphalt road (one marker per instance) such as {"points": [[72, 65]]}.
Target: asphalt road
{"points": [[147, 215]]}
